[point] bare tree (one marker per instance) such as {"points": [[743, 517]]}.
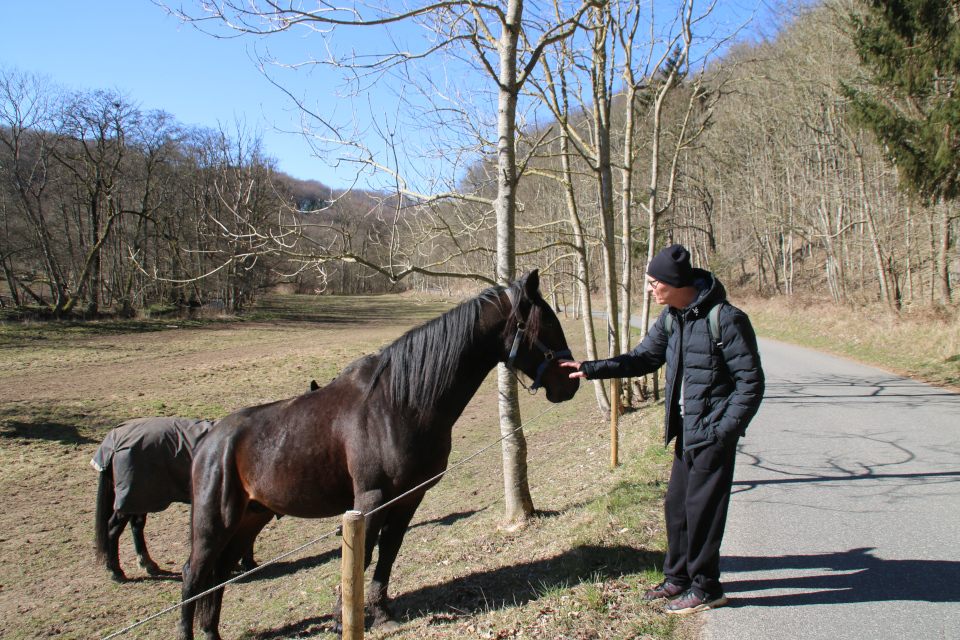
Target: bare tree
{"points": [[97, 125], [500, 42], [29, 132], [630, 83]]}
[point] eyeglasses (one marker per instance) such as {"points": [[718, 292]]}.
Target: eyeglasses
{"points": [[653, 284]]}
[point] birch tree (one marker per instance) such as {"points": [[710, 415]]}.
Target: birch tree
{"points": [[497, 40], [625, 80]]}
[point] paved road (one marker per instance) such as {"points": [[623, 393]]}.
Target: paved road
{"points": [[845, 518]]}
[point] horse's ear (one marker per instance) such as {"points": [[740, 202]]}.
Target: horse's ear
{"points": [[531, 283], [313, 385]]}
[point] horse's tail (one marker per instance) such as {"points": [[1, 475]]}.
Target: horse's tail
{"points": [[104, 511]]}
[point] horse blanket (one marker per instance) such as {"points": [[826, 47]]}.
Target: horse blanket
{"points": [[151, 460]]}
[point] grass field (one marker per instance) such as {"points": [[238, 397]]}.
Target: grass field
{"points": [[576, 571]]}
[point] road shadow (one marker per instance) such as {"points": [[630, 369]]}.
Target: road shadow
{"points": [[873, 471], [905, 479], [830, 390], [854, 576]]}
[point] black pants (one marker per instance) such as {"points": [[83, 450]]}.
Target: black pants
{"points": [[696, 513]]}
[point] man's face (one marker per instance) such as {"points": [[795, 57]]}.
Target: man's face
{"points": [[666, 295]]}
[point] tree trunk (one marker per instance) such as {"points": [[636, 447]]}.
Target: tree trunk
{"points": [[626, 232], [583, 273], [943, 261], [11, 282], [871, 224], [517, 499], [601, 116]]}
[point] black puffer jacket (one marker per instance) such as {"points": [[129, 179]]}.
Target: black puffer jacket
{"points": [[722, 385]]}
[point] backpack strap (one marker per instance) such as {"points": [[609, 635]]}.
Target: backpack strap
{"points": [[713, 321]]}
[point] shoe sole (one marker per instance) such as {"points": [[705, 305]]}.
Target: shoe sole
{"points": [[705, 606]]}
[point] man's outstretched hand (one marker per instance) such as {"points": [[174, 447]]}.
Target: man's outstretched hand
{"points": [[572, 364]]}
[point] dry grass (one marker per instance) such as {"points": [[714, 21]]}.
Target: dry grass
{"points": [[922, 343]]}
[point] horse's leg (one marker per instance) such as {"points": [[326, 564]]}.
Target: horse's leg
{"points": [[240, 547], [208, 539], [137, 523], [247, 563], [239, 543], [218, 506], [115, 527], [196, 579], [391, 537]]}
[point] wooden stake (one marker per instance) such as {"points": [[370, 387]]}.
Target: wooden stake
{"points": [[352, 575], [614, 417]]}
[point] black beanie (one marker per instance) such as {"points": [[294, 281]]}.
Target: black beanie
{"points": [[672, 266]]}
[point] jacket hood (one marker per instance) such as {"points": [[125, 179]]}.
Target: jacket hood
{"points": [[711, 291]]}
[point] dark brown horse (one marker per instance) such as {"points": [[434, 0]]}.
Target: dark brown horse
{"points": [[378, 430]]}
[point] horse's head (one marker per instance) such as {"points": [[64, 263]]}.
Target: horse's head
{"points": [[533, 340]]}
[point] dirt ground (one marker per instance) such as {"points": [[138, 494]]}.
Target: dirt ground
{"points": [[573, 571]]}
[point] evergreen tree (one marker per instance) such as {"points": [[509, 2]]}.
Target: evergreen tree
{"points": [[910, 50]]}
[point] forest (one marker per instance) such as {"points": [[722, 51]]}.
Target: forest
{"points": [[757, 153]]}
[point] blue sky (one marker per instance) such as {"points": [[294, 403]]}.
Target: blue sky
{"points": [[134, 47]]}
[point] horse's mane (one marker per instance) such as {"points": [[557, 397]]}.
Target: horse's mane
{"points": [[423, 361]]}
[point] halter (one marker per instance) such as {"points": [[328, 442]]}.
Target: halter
{"points": [[548, 354]]}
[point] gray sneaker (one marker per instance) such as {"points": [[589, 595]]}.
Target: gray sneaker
{"points": [[666, 590], [690, 603]]}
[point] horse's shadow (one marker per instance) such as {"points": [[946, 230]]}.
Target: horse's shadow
{"points": [[513, 585], [53, 431], [280, 569], [518, 584]]}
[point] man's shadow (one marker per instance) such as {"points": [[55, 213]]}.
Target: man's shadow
{"points": [[855, 576]]}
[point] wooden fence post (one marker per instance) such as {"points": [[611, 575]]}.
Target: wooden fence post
{"points": [[352, 575], [614, 417]]}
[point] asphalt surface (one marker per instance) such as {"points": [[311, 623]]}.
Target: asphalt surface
{"points": [[845, 518]]}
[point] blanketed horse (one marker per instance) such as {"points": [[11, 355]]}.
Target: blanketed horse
{"points": [[144, 467], [378, 430]]}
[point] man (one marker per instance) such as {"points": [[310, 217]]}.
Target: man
{"points": [[714, 385]]}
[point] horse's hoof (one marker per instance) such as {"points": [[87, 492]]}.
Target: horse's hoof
{"points": [[153, 569], [118, 577]]}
